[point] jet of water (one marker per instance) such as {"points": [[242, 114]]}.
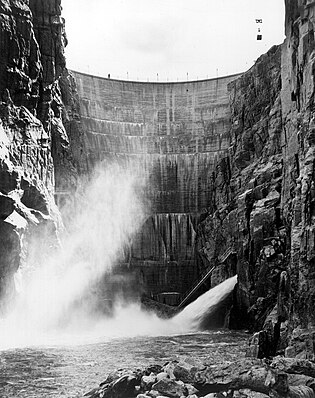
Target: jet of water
{"points": [[199, 312]]}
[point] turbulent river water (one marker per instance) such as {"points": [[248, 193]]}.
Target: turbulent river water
{"points": [[71, 371], [70, 362]]}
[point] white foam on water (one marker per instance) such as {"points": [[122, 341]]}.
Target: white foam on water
{"points": [[127, 320], [204, 305], [110, 212]]}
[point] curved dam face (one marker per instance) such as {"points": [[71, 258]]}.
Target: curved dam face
{"points": [[178, 132]]}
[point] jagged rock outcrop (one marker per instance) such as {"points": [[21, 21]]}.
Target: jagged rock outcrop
{"points": [[58, 107], [264, 206], [32, 41], [242, 378], [245, 210], [297, 97]]}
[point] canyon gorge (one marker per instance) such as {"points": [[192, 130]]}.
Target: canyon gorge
{"points": [[229, 164]]}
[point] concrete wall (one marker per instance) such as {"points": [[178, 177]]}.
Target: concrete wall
{"points": [[177, 132]]}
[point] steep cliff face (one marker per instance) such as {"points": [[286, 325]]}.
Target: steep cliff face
{"points": [[244, 226], [58, 107], [298, 108], [263, 202], [32, 41]]}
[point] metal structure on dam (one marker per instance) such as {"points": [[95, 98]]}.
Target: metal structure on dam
{"points": [[178, 132]]}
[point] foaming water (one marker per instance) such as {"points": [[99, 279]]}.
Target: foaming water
{"points": [[55, 305], [127, 320], [202, 308], [51, 290]]}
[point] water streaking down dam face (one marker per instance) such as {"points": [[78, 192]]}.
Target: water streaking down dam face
{"points": [[178, 133]]}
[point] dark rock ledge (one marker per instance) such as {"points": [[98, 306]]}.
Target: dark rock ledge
{"points": [[280, 377]]}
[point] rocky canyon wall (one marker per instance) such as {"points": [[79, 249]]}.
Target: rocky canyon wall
{"points": [[246, 203], [298, 137], [266, 211], [178, 133], [33, 140]]}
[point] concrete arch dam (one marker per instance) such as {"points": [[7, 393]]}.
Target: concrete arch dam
{"points": [[178, 132]]}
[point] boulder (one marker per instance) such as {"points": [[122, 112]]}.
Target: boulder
{"points": [[162, 375], [148, 381], [191, 389], [153, 393], [170, 388], [184, 372]]}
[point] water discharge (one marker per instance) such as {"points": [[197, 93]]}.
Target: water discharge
{"points": [[200, 311], [54, 304]]}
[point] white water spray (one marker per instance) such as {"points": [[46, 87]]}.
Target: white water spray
{"points": [[196, 312], [111, 212]]}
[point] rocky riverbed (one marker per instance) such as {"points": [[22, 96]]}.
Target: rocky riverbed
{"points": [[55, 370], [280, 377]]}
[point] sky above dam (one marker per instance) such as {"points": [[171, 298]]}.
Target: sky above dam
{"points": [[169, 40]]}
